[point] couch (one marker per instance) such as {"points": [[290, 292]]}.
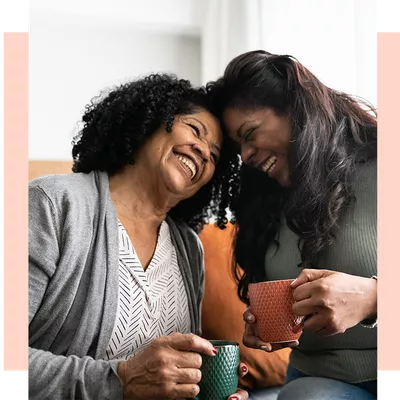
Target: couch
{"points": [[221, 310]]}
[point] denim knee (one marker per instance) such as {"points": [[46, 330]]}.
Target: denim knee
{"points": [[311, 388]]}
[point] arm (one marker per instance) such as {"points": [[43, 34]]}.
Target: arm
{"points": [[54, 376]]}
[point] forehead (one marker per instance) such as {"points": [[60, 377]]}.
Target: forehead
{"points": [[238, 120], [234, 117], [210, 122]]}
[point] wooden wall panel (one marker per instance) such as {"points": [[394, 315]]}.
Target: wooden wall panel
{"points": [[39, 168]]}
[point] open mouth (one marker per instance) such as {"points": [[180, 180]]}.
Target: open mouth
{"points": [[269, 165], [188, 165]]}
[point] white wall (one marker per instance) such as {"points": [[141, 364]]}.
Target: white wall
{"points": [[80, 46], [70, 62], [178, 16], [335, 39]]}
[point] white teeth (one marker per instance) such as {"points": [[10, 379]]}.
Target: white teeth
{"points": [[270, 164], [189, 163]]}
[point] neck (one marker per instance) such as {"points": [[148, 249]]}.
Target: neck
{"points": [[138, 198]]}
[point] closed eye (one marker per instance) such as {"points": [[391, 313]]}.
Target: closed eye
{"points": [[214, 157], [196, 129], [248, 135]]}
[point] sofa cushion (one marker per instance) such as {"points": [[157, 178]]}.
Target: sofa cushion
{"points": [[222, 311]]}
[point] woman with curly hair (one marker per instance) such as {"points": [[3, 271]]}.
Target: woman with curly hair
{"points": [[307, 208], [115, 268]]}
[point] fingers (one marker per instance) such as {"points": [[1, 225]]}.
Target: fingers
{"points": [[189, 360], [185, 390], [243, 370], [239, 395], [303, 291], [191, 342], [248, 317], [279, 346], [189, 375], [305, 307], [314, 323], [323, 325], [269, 347], [250, 339], [307, 275]]}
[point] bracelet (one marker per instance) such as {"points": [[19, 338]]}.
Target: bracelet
{"points": [[370, 323]]}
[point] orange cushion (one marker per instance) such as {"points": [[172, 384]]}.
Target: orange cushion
{"points": [[222, 311]]}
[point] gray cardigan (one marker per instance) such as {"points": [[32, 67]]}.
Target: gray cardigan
{"points": [[73, 285]]}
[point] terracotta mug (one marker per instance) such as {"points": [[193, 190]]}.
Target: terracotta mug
{"points": [[271, 303]]}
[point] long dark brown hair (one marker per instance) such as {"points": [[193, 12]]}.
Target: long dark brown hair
{"points": [[331, 132]]}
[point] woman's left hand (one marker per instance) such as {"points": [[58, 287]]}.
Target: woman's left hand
{"points": [[333, 301], [240, 394]]}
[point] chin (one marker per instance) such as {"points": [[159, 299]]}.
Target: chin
{"points": [[284, 180], [178, 186]]}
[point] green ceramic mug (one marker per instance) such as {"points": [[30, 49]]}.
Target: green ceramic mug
{"points": [[220, 373]]}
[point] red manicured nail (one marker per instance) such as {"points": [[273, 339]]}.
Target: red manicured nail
{"points": [[215, 351], [244, 368]]}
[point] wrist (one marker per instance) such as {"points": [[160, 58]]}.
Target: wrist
{"points": [[371, 295]]}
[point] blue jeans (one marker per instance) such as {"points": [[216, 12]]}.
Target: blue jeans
{"points": [[300, 386]]}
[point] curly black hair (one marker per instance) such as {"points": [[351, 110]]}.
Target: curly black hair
{"points": [[117, 123]]}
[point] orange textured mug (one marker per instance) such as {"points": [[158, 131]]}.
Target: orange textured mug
{"points": [[271, 303]]}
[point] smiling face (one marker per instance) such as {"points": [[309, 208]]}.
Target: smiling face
{"points": [[183, 160], [263, 138]]}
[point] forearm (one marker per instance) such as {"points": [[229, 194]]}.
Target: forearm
{"points": [[58, 377]]}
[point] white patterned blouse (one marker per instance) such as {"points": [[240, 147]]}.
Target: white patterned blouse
{"points": [[151, 303]]}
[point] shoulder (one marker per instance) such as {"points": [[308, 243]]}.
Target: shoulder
{"points": [[69, 185], [365, 178], [63, 191], [188, 232], [57, 181], [188, 235]]}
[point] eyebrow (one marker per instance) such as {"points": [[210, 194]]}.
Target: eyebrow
{"points": [[201, 123], [206, 133], [239, 131]]}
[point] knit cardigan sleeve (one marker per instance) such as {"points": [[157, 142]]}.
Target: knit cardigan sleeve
{"points": [[54, 376]]}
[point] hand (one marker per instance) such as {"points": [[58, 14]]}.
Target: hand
{"points": [[240, 394], [333, 301], [251, 339], [169, 368]]}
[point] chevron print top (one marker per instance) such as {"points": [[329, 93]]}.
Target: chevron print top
{"points": [[151, 303]]}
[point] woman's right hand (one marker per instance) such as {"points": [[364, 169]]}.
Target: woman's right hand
{"points": [[251, 339], [169, 368]]}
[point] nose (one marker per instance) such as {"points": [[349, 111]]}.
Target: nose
{"points": [[247, 152], [203, 150]]}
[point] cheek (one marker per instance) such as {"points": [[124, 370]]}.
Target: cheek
{"points": [[207, 175], [276, 142]]}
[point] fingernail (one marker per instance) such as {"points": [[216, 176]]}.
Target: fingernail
{"points": [[215, 351], [244, 368], [234, 398], [265, 348], [293, 282]]}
